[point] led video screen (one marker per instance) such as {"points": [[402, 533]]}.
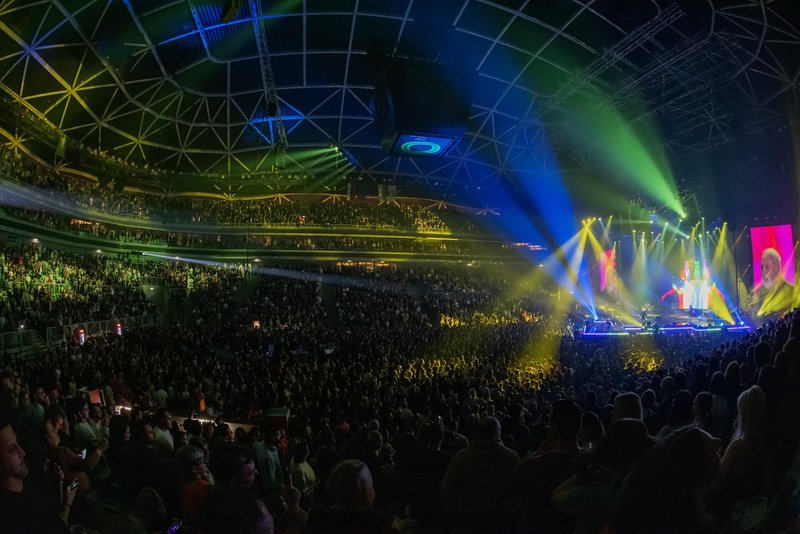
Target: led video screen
{"points": [[694, 286], [608, 271], [773, 256]]}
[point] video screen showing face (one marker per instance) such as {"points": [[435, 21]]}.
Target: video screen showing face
{"points": [[773, 258]]}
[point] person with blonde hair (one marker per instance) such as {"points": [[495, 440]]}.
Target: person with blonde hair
{"points": [[745, 468], [751, 423]]}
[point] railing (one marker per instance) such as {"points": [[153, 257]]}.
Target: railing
{"points": [[98, 328], [14, 342], [53, 289], [55, 335], [77, 207], [261, 224]]}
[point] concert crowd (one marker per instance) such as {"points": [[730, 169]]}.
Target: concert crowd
{"points": [[109, 198], [394, 399]]}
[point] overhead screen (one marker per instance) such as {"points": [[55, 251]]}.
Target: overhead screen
{"points": [[421, 108]]}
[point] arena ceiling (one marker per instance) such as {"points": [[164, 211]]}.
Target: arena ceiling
{"points": [[171, 85]]}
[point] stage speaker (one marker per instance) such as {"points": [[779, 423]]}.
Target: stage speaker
{"points": [[421, 108]]}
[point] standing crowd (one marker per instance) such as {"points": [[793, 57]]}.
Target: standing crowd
{"points": [[352, 406]]}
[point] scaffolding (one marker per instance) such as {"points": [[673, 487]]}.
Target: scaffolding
{"points": [[590, 77]]}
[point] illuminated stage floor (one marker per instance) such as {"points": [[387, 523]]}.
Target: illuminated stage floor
{"points": [[667, 322], [638, 330]]}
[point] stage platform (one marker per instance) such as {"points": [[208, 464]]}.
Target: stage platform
{"points": [[672, 322], [666, 330]]}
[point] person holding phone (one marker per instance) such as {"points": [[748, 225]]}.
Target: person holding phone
{"points": [[74, 465], [91, 429]]}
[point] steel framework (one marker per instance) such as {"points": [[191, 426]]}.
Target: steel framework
{"points": [[169, 85]]}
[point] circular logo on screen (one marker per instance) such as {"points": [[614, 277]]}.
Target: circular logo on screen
{"points": [[421, 147]]}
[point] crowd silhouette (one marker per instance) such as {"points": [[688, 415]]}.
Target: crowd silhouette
{"points": [[355, 399]]}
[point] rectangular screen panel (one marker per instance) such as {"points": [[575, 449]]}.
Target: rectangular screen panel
{"points": [[694, 285], [608, 271], [773, 256], [420, 144]]}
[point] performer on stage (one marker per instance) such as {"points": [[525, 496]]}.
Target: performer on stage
{"points": [[686, 291], [695, 288], [705, 286]]}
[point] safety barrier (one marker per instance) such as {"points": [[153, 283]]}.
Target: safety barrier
{"points": [[97, 328]]}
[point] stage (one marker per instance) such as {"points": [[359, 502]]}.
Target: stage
{"points": [[631, 276], [638, 330], [669, 321]]}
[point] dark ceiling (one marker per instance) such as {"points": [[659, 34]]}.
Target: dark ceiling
{"points": [[166, 83]]}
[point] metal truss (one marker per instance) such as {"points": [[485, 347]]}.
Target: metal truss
{"points": [[268, 78], [590, 77], [170, 85]]}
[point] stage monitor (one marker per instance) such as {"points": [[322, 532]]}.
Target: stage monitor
{"points": [[421, 108]]}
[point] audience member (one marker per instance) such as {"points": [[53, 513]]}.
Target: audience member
{"points": [[471, 490], [529, 487], [658, 497], [24, 508]]}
